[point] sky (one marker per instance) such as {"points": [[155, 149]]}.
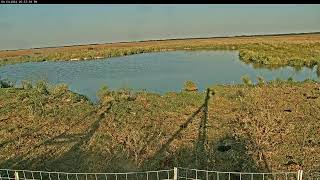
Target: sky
{"points": [[32, 26]]}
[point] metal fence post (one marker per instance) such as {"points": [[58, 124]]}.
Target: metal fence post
{"points": [[300, 172], [175, 173], [16, 176]]}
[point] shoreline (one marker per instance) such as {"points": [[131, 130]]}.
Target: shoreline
{"points": [[276, 50], [26, 84]]}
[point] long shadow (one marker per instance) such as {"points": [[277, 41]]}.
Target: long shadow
{"points": [[74, 158], [228, 153], [74, 154], [202, 132], [200, 152]]}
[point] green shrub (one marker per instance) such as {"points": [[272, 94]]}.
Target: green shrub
{"points": [[190, 86], [290, 79], [6, 83], [246, 80], [103, 92]]}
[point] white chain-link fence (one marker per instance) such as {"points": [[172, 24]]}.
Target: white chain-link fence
{"points": [[172, 174], [196, 174], [8, 174]]}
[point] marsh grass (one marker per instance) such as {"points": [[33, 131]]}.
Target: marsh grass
{"points": [[61, 130], [282, 54], [41, 87], [26, 84], [272, 51], [103, 92], [261, 80]]}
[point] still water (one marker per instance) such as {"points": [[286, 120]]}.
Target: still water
{"points": [[157, 72]]}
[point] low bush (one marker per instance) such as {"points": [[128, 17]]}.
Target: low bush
{"points": [[4, 83], [190, 86], [246, 80]]}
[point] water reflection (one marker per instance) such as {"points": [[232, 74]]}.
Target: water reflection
{"points": [[271, 67]]}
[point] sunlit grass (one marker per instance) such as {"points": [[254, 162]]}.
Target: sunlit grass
{"points": [[53, 128], [292, 50]]}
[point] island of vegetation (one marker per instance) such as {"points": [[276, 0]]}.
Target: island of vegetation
{"points": [[269, 50]]}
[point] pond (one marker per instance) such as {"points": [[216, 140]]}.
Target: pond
{"points": [[156, 72]]}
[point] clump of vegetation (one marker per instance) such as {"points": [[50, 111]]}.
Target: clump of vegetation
{"points": [[246, 80], [26, 84], [290, 79], [190, 86], [103, 91], [104, 95], [4, 83], [282, 54], [41, 87], [60, 89], [261, 80]]}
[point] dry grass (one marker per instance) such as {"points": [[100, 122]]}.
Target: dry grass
{"points": [[269, 127], [272, 50]]}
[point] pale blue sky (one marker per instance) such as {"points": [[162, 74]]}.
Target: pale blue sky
{"points": [[28, 26]]}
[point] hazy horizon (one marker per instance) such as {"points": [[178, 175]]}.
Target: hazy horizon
{"points": [[34, 26]]}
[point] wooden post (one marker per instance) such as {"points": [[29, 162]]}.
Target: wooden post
{"points": [[175, 173]]}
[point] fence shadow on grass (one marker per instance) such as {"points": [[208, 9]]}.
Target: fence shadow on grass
{"points": [[228, 153], [154, 161]]}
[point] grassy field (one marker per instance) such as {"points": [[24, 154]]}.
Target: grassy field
{"points": [[278, 50], [270, 126], [266, 127]]}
